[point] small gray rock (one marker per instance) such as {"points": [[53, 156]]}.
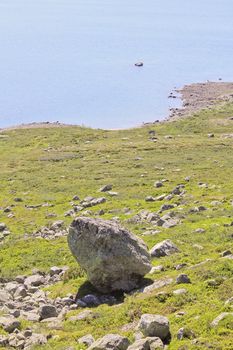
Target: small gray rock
{"points": [[149, 343], [90, 300], [185, 333], [47, 311], [87, 340], [158, 184], [3, 341], [164, 248], [9, 324], [183, 278], [221, 317], [180, 291], [105, 188], [34, 280], [4, 296], [3, 227], [54, 270]]}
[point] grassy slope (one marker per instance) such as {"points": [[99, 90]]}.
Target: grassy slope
{"points": [[80, 161]]}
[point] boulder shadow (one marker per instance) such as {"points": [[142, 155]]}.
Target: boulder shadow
{"points": [[88, 291]]}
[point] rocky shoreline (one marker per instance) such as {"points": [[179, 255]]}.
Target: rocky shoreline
{"points": [[194, 97], [198, 96]]}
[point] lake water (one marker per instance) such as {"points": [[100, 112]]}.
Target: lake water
{"points": [[73, 60]]}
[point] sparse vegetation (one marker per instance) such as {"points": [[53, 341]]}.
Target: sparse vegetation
{"points": [[51, 165]]}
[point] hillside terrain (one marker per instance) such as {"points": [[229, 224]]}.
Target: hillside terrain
{"points": [[180, 171]]}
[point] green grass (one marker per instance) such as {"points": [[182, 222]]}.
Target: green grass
{"points": [[52, 165]]}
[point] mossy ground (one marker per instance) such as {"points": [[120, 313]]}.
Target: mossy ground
{"points": [[51, 165]]}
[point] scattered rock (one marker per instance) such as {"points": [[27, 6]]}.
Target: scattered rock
{"points": [[91, 300], [226, 253], [220, 317], [9, 324], [110, 342], [3, 341], [183, 278], [87, 340], [166, 207], [34, 280], [154, 326], [4, 296], [185, 333], [54, 270], [149, 343], [158, 268], [229, 302], [158, 184], [199, 230], [85, 315], [3, 227], [89, 202], [18, 199], [47, 311], [164, 248], [55, 230], [105, 188], [180, 266], [112, 194], [76, 198], [180, 291], [4, 232], [155, 285], [150, 199]]}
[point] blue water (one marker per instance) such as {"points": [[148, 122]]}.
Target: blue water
{"points": [[73, 60]]}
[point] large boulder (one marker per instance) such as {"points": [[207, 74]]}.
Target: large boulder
{"points": [[113, 258]]}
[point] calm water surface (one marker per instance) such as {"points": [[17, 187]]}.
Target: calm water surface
{"points": [[73, 60]]}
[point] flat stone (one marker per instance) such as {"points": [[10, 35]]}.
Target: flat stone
{"points": [[149, 343], [34, 280], [110, 342], [220, 317]]}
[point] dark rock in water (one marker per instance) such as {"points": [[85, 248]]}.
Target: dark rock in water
{"points": [[113, 258], [139, 64]]}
